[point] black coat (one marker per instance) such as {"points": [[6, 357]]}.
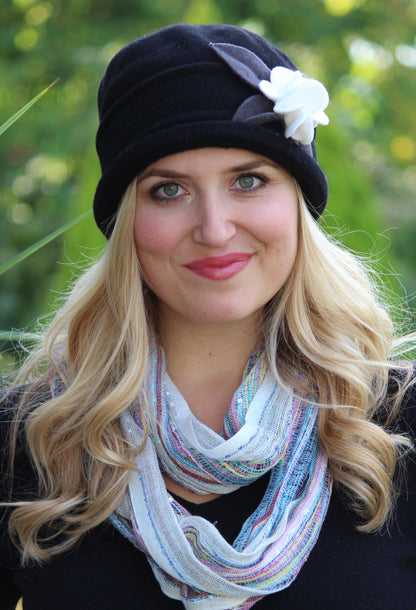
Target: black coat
{"points": [[346, 570]]}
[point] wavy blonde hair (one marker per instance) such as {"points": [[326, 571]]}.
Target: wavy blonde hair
{"points": [[325, 322]]}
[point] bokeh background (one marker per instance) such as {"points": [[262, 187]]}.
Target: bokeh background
{"points": [[363, 50]]}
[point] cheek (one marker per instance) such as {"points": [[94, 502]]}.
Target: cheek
{"points": [[278, 225], [152, 235]]}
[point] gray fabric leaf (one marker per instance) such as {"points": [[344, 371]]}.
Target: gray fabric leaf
{"points": [[243, 62], [253, 107]]}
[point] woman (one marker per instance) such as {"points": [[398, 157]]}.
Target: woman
{"points": [[216, 401]]}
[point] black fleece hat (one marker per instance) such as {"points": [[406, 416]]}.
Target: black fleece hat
{"points": [[193, 86]]}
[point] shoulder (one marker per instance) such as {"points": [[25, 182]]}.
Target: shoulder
{"points": [[408, 414], [31, 394], [15, 465], [406, 421], [405, 424], [397, 411], [9, 401]]}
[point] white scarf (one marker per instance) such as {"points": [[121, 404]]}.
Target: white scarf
{"points": [[265, 429]]}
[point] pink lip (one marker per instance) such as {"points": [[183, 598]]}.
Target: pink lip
{"points": [[220, 267]]}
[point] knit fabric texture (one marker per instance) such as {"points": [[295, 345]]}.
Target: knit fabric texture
{"points": [[169, 92]]}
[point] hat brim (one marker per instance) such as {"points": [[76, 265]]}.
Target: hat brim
{"points": [[136, 157]]}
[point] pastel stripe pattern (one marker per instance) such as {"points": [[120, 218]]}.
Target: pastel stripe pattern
{"points": [[266, 429]]}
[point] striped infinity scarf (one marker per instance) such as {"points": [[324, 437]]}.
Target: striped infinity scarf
{"points": [[265, 429]]}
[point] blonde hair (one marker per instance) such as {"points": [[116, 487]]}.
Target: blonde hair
{"points": [[325, 324]]}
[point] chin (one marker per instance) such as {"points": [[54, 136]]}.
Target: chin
{"points": [[227, 314]]}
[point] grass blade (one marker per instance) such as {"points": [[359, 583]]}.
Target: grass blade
{"points": [[24, 109], [39, 244]]}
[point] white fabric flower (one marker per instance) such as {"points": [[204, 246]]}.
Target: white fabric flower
{"points": [[299, 100]]}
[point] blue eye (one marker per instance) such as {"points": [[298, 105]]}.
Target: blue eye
{"points": [[250, 182], [246, 182], [168, 190]]}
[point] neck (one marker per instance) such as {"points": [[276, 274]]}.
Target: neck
{"points": [[206, 362]]}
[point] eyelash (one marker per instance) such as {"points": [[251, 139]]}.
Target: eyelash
{"points": [[157, 196], [154, 191], [254, 189]]}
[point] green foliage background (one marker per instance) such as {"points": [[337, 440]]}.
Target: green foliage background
{"points": [[363, 50]]}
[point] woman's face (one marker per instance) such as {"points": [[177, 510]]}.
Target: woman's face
{"points": [[215, 233]]}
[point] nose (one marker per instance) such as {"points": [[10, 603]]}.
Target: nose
{"points": [[214, 225]]}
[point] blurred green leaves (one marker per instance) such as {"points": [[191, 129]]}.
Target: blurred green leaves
{"points": [[19, 335], [364, 52]]}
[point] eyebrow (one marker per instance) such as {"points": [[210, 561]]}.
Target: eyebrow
{"points": [[161, 173], [254, 165], [170, 173]]}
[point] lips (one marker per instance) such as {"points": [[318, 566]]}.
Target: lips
{"points": [[220, 267]]}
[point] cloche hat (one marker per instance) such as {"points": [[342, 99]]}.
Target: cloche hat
{"points": [[193, 86]]}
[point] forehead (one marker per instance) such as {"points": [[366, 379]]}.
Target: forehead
{"points": [[208, 159]]}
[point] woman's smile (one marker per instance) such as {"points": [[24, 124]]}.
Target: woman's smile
{"points": [[220, 267], [215, 232]]}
